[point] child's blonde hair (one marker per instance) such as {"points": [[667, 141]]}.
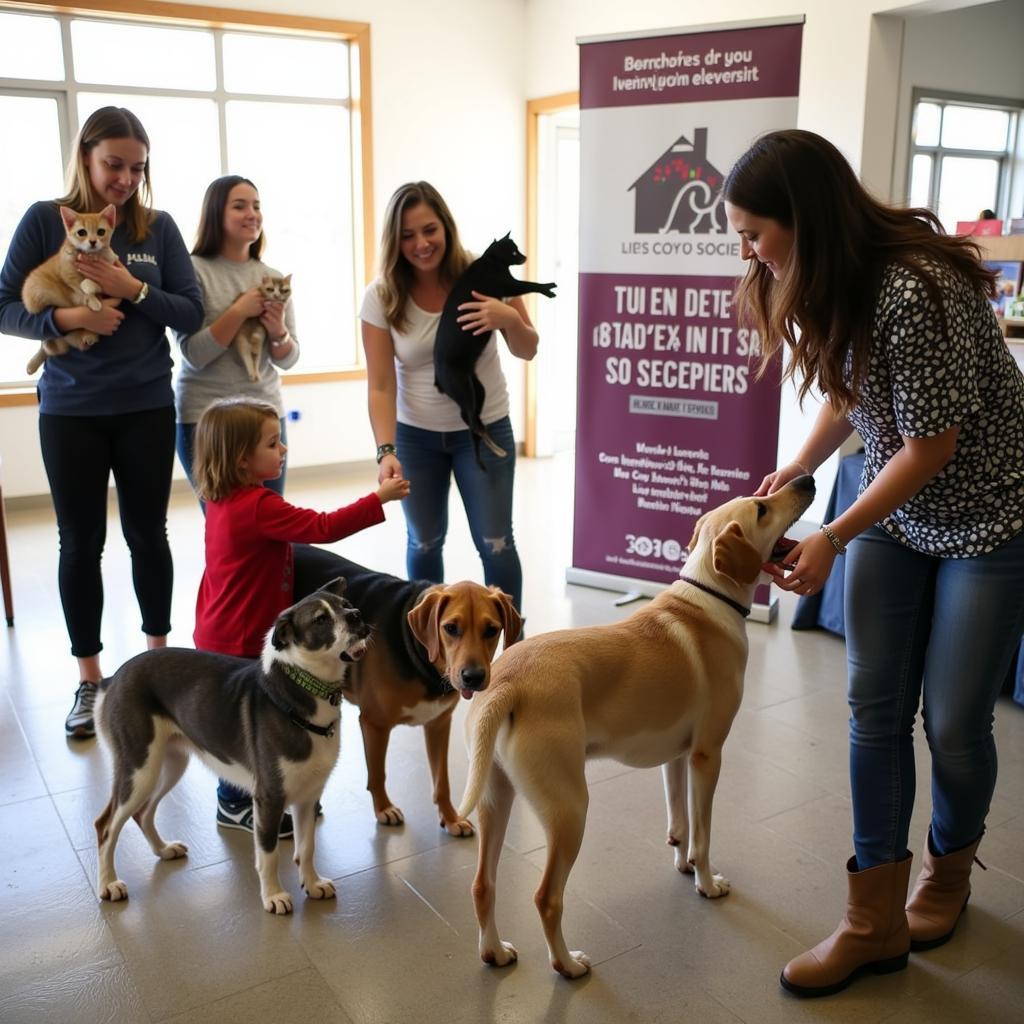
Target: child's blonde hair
{"points": [[228, 430]]}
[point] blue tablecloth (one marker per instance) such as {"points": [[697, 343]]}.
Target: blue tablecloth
{"points": [[825, 610]]}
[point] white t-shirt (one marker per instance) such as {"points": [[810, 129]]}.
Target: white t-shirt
{"points": [[420, 404]]}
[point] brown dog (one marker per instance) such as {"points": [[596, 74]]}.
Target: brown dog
{"points": [[659, 688], [428, 643]]}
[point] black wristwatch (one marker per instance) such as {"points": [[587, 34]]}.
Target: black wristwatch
{"points": [[385, 449]]}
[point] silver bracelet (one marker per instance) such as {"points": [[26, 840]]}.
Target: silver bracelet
{"points": [[282, 341], [831, 534]]}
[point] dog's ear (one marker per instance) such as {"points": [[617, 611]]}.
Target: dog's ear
{"points": [[68, 216], [696, 533], [424, 621], [505, 237], [109, 214], [284, 631], [734, 556], [511, 620], [337, 586]]}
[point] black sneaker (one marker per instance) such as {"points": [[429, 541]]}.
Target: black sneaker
{"points": [[79, 724], [239, 816]]}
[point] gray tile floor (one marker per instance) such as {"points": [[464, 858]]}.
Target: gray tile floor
{"points": [[399, 944]]}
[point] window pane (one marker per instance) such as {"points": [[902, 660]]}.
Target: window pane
{"points": [[305, 184], [282, 66], [920, 179], [185, 154], [31, 169], [164, 58], [975, 128], [926, 125], [966, 186], [30, 47]]}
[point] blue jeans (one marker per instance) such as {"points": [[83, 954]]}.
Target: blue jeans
{"points": [[184, 442], [944, 627], [429, 458]]}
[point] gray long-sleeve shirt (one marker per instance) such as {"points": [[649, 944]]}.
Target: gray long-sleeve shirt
{"points": [[208, 369]]}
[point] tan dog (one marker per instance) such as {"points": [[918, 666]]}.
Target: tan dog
{"points": [[429, 642], [660, 688]]}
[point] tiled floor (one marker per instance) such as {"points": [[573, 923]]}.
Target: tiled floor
{"points": [[399, 944]]}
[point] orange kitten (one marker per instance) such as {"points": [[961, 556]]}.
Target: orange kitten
{"points": [[248, 342], [57, 283]]}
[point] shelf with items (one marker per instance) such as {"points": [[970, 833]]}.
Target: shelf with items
{"points": [[1006, 249]]}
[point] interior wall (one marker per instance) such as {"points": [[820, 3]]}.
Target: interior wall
{"points": [[976, 52]]}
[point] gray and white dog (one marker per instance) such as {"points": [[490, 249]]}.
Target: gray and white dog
{"points": [[270, 726]]}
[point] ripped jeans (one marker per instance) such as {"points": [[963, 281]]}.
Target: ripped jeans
{"points": [[429, 458]]}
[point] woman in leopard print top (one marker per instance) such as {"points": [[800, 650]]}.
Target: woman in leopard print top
{"points": [[889, 319]]}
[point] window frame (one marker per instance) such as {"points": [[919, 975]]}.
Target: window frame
{"points": [[217, 19], [1009, 158]]}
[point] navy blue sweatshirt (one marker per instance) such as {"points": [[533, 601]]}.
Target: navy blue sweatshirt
{"points": [[129, 370]]}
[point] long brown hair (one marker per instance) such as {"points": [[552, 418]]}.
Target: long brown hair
{"points": [[824, 307], [210, 233], [228, 430], [102, 124], [395, 272]]}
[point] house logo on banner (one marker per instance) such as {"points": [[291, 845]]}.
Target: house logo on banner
{"points": [[680, 192]]}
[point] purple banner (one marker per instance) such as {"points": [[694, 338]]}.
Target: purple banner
{"points": [[671, 418]]}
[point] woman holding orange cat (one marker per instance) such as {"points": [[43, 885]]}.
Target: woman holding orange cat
{"points": [[109, 409], [226, 259], [420, 433]]}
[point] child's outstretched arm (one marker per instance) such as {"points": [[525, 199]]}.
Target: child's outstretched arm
{"points": [[279, 520]]}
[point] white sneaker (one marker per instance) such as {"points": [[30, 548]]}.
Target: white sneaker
{"points": [[79, 724]]}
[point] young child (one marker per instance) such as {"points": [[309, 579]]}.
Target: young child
{"points": [[250, 575]]}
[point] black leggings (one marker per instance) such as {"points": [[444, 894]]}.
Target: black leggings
{"points": [[79, 453]]}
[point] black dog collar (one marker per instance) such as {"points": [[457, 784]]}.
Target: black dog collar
{"points": [[714, 593], [293, 673]]}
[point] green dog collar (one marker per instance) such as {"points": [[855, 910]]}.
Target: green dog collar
{"points": [[311, 684]]}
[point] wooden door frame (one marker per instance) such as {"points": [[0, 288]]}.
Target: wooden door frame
{"points": [[534, 110]]}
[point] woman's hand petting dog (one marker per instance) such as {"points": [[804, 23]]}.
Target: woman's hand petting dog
{"points": [[809, 564]]}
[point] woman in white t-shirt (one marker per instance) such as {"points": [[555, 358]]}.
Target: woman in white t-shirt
{"points": [[419, 432]]}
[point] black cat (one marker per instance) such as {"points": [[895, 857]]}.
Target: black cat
{"points": [[456, 351]]}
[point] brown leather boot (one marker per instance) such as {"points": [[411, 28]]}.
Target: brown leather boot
{"points": [[941, 893], [872, 937]]}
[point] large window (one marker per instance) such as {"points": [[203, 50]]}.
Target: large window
{"points": [[961, 156], [286, 109]]}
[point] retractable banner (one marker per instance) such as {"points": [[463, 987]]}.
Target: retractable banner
{"points": [[671, 421]]}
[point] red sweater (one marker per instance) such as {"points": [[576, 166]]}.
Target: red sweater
{"points": [[249, 578]]}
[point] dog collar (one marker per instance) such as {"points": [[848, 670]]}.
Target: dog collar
{"points": [[714, 593], [311, 684]]}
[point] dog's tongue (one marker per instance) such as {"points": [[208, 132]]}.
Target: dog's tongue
{"points": [[782, 547], [467, 694]]}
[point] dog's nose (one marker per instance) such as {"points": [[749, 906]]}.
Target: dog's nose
{"points": [[805, 483], [472, 678]]}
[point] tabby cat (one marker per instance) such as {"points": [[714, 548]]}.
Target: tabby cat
{"points": [[248, 342]]}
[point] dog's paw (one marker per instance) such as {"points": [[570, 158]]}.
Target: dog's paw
{"points": [[683, 866], [576, 966], [114, 891], [278, 903], [391, 815], [460, 828], [718, 886], [320, 889], [503, 956], [173, 850]]}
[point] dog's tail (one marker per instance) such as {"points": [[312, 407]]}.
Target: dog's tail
{"points": [[498, 707]]}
